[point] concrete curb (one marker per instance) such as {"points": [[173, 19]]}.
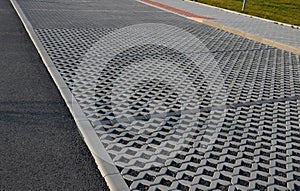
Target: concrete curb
{"points": [[105, 164], [236, 31], [249, 36]]}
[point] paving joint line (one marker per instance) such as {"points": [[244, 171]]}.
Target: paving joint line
{"points": [[170, 54], [194, 111], [104, 163]]}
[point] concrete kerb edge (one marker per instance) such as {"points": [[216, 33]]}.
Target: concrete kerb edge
{"points": [[250, 36], [237, 32], [243, 14], [105, 164]]}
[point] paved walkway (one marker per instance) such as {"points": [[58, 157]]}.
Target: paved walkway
{"points": [[268, 30], [167, 103]]}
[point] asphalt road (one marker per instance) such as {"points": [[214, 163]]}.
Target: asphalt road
{"points": [[41, 148]]}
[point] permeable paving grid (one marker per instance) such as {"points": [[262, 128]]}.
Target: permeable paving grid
{"points": [[178, 105]]}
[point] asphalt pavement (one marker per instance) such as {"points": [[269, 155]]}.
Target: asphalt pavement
{"points": [[41, 148]]}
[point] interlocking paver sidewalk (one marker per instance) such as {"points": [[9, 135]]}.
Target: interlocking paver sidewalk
{"points": [[275, 32], [168, 103]]}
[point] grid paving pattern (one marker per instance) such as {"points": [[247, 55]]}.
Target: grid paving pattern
{"points": [[177, 104]]}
